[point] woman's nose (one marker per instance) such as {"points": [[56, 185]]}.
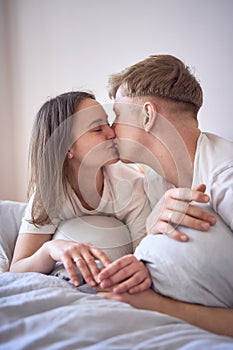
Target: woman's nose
{"points": [[110, 132]]}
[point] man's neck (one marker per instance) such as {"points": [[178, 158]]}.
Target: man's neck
{"points": [[174, 151]]}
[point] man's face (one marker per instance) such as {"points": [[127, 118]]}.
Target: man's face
{"points": [[161, 146], [127, 125]]}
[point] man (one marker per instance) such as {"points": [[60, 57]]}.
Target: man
{"points": [[156, 105]]}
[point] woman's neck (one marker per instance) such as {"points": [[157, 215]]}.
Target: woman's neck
{"points": [[88, 185]]}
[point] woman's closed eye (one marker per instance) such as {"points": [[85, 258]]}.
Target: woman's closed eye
{"points": [[98, 129]]}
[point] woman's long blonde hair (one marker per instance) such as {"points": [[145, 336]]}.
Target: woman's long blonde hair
{"points": [[50, 142]]}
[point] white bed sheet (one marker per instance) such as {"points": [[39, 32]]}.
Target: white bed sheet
{"points": [[44, 312]]}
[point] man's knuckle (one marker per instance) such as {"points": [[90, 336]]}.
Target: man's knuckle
{"points": [[138, 278], [148, 283], [173, 234], [81, 263], [130, 256], [141, 265], [168, 193], [90, 260]]}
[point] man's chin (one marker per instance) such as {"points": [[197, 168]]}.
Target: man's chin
{"points": [[112, 161], [127, 161]]}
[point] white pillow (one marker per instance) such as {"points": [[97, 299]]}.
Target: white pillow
{"points": [[11, 214], [199, 271], [105, 232]]}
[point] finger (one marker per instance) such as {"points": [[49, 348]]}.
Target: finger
{"points": [[199, 196], [175, 204], [119, 276], [170, 231], [201, 188], [99, 289], [69, 266], [115, 266], [127, 276], [176, 234], [100, 255], [188, 209], [146, 284], [189, 221], [88, 268], [105, 295], [177, 218], [186, 194], [110, 295], [134, 281], [201, 214]]}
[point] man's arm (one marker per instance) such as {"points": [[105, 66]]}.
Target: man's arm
{"points": [[213, 319]]}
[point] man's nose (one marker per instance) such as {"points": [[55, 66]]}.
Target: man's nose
{"points": [[113, 127]]}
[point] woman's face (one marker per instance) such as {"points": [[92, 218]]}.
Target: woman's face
{"points": [[93, 139]]}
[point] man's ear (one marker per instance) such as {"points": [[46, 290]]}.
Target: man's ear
{"points": [[149, 111]]}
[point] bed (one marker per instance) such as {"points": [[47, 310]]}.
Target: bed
{"points": [[47, 312]]}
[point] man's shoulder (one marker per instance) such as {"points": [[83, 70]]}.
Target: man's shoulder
{"points": [[214, 155], [215, 140], [215, 148]]}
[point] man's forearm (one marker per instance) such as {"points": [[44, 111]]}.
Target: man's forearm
{"points": [[213, 319]]}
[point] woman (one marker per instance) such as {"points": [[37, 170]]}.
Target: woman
{"points": [[72, 148]]}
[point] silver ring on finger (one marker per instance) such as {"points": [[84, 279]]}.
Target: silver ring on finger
{"points": [[77, 258], [170, 227], [170, 217]]}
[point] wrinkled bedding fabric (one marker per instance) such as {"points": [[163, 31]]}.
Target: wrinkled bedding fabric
{"points": [[44, 312]]}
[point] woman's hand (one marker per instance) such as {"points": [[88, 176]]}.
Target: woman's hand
{"points": [[82, 255], [174, 209], [126, 274]]}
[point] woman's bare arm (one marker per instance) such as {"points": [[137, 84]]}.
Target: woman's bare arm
{"points": [[38, 253], [30, 254]]}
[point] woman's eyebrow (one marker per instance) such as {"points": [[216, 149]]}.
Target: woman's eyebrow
{"points": [[99, 121]]}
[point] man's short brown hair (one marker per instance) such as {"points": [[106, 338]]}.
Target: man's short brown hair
{"points": [[163, 76]]}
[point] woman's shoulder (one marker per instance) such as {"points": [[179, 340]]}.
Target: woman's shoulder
{"points": [[123, 171]]}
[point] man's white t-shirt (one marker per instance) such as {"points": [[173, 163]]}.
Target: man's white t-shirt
{"points": [[200, 270], [213, 166]]}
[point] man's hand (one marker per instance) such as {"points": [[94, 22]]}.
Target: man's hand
{"points": [[174, 209], [126, 274]]}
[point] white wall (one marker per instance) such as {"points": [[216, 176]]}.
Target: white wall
{"points": [[52, 46], [7, 158]]}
